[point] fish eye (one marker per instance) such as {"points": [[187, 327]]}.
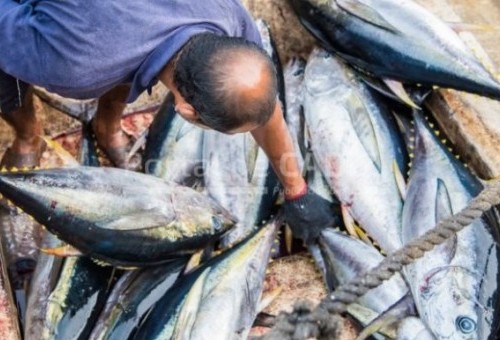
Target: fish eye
{"points": [[465, 325]]}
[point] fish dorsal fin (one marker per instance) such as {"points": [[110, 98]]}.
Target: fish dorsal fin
{"points": [[363, 126], [365, 13], [443, 210]]}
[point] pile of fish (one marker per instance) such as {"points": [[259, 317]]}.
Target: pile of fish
{"points": [[180, 251]]}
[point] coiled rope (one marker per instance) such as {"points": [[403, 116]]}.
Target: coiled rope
{"points": [[324, 321]]}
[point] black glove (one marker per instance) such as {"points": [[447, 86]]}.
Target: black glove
{"points": [[308, 214]]}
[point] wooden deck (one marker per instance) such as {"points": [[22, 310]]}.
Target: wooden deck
{"points": [[472, 122]]}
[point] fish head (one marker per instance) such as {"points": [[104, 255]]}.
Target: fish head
{"points": [[199, 213], [324, 72], [458, 320]]}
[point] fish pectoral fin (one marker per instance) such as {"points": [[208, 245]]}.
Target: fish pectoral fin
{"points": [[68, 160], [194, 261], [400, 92], [363, 126], [400, 180], [366, 13], [362, 235], [385, 323], [63, 251], [187, 315], [349, 223]]}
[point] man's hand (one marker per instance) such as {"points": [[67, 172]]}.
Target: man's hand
{"points": [[308, 214]]}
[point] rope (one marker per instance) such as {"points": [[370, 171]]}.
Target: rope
{"points": [[324, 321]]}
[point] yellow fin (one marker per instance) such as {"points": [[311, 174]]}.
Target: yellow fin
{"points": [[288, 239], [399, 178], [398, 89], [348, 221], [362, 235], [65, 156], [194, 261], [64, 251]]}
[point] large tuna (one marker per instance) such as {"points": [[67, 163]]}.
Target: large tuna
{"points": [[454, 285], [117, 215], [396, 39], [356, 145]]}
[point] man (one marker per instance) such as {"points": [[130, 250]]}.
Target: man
{"points": [[205, 52]]}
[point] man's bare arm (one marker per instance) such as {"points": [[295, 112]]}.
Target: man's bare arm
{"points": [[274, 138]]}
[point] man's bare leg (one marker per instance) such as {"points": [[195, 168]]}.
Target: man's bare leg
{"points": [[107, 125], [26, 149]]}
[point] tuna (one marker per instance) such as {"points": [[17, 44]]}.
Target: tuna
{"points": [[118, 216], [357, 147], [455, 286], [396, 39]]}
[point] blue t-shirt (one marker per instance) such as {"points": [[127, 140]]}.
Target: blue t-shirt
{"points": [[83, 48]]}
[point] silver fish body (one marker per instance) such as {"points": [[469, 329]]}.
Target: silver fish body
{"points": [[412, 328], [219, 299], [356, 145], [346, 258], [239, 176], [455, 284], [396, 39], [118, 216], [42, 284], [132, 297], [173, 147], [21, 238], [294, 90], [74, 304]]}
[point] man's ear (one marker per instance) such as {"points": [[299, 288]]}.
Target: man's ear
{"points": [[186, 111]]}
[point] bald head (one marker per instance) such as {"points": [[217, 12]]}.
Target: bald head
{"points": [[229, 81]]}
